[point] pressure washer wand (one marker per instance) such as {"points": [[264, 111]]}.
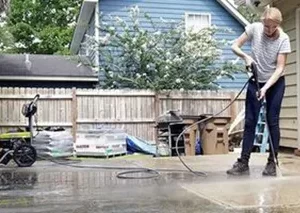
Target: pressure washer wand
{"points": [[253, 69]]}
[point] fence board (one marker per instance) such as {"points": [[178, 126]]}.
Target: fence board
{"points": [[135, 111]]}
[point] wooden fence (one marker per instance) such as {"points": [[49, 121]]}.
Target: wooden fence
{"points": [[135, 111]]}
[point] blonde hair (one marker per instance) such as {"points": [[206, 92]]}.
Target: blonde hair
{"points": [[272, 13]]}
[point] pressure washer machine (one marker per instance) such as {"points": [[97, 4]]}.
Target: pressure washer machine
{"points": [[18, 145]]}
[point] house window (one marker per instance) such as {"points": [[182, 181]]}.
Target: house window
{"points": [[197, 21]]}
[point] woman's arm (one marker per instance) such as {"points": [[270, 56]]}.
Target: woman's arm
{"points": [[236, 48], [281, 61]]}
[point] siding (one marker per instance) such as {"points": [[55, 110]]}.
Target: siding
{"points": [[175, 10], [289, 118]]}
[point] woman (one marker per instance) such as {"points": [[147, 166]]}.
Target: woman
{"points": [[269, 49]]}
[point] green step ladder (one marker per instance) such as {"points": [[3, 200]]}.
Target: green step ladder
{"points": [[261, 131]]}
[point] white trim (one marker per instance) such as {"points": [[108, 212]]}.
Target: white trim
{"points": [[44, 78], [234, 12], [239, 2], [86, 11], [97, 36], [297, 71]]}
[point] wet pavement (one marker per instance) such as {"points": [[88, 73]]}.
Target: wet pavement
{"points": [[49, 187]]}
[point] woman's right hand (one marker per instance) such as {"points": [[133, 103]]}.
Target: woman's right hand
{"points": [[248, 60]]}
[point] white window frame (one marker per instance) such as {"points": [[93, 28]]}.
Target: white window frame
{"points": [[187, 14]]}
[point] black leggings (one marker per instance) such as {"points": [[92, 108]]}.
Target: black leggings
{"points": [[274, 97]]}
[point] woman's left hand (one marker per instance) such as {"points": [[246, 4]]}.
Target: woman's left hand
{"points": [[262, 93]]}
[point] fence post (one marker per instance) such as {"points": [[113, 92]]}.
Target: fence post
{"points": [[156, 114], [74, 114]]}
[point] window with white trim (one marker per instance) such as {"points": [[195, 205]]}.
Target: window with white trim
{"points": [[197, 21]]}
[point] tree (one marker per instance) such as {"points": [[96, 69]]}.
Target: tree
{"points": [[42, 26], [6, 39], [165, 58], [3, 5], [249, 14]]}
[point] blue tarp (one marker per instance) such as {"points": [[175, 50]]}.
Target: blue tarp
{"points": [[135, 144]]}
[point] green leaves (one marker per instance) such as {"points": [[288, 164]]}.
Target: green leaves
{"points": [[42, 26], [39, 13], [54, 39], [6, 39], [249, 14]]}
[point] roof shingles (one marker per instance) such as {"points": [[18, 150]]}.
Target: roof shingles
{"points": [[42, 65]]}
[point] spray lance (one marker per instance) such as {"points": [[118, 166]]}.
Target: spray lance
{"points": [[253, 69]]}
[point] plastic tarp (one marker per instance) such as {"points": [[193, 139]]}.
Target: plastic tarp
{"points": [[54, 143], [135, 144]]}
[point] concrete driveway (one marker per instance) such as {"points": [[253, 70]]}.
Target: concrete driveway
{"points": [[49, 187]]}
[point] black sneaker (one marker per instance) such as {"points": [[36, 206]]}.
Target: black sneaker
{"points": [[270, 169], [239, 168]]}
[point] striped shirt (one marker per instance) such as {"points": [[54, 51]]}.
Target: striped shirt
{"points": [[264, 50]]}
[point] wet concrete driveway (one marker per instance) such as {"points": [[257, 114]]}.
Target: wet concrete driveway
{"points": [[48, 187]]}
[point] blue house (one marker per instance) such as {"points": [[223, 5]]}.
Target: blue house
{"points": [[200, 13]]}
